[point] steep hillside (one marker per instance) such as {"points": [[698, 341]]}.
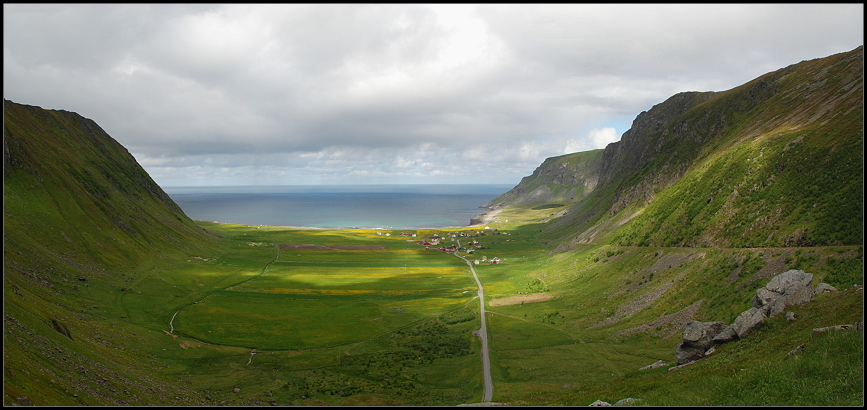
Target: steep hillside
{"points": [[775, 162], [557, 182], [79, 214]]}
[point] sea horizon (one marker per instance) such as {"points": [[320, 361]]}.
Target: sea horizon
{"points": [[368, 206]]}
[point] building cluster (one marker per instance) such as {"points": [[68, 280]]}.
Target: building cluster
{"points": [[435, 242]]}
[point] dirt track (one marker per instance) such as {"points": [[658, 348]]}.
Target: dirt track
{"points": [[336, 247], [518, 299]]}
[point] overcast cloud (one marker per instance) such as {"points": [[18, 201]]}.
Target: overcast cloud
{"points": [[355, 94]]}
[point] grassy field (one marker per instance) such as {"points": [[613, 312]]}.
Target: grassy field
{"points": [[389, 326], [395, 326]]}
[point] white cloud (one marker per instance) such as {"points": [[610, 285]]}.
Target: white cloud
{"points": [[597, 138], [601, 137], [337, 93]]}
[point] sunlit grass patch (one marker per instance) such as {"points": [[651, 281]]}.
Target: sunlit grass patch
{"points": [[274, 322], [384, 279], [513, 333]]}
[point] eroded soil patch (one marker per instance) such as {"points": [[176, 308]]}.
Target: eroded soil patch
{"points": [[518, 299]]}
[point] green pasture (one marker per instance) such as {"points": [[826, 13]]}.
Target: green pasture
{"points": [[394, 327], [256, 296]]}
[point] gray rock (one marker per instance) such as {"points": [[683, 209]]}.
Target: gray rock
{"points": [[792, 278], [790, 316], [694, 331], [747, 321], [825, 329], [626, 401], [685, 352], [698, 337], [767, 301], [726, 335], [600, 403], [792, 287], [659, 363], [824, 288]]}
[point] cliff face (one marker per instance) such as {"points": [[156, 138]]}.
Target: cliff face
{"points": [[734, 168], [564, 179]]}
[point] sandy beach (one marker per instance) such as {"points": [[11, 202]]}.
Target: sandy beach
{"points": [[486, 217]]}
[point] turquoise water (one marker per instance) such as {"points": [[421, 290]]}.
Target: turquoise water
{"points": [[338, 206]]}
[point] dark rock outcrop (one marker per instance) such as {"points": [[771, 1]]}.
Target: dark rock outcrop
{"points": [[699, 337]]}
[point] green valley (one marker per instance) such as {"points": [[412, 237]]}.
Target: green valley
{"points": [[113, 296]]}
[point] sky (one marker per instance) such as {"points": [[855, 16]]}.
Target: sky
{"points": [[295, 94]]}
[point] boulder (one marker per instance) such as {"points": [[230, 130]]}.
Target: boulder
{"points": [[686, 353], [726, 335], [792, 287], [600, 403], [698, 337], [747, 321], [824, 288]]}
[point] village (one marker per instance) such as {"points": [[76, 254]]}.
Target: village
{"points": [[434, 242]]}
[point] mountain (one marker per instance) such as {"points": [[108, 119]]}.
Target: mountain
{"points": [[700, 202], [777, 161], [79, 215], [559, 180]]}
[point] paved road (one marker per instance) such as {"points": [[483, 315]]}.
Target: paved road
{"points": [[488, 390]]}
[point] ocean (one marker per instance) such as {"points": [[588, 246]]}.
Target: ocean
{"points": [[338, 206]]}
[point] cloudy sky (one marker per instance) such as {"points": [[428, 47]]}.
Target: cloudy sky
{"points": [[371, 94]]}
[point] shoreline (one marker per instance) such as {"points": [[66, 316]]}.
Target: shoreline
{"points": [[476, 221], [485, 217]]}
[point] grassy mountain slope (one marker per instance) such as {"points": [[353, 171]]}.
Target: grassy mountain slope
{"points": [[79, 215], [557, 182], [701, 202], [775, 162], [706, 198]]}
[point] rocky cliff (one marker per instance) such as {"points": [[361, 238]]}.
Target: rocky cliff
{"points": [[562, 180], [777, 161]]}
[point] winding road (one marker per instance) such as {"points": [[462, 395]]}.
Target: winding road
{"points": [[488, 389]]}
